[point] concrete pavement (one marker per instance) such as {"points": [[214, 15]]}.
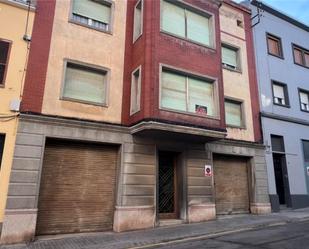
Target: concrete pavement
{"points": [[155, 237]]}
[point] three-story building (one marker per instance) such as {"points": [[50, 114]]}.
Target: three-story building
{"points": [[282, 58], [129, 120]]}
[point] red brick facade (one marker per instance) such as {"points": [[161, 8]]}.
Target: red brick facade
{"points": [[38, 57], [155, 47]]}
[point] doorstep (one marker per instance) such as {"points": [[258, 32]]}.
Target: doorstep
{"points": [[170, 222]]}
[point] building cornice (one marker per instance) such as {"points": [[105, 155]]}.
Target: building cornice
{"points": [[284, 118]]}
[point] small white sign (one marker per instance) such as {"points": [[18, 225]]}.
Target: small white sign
{"points": [[208, 170], [307, 171]]}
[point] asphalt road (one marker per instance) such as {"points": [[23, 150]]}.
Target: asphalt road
{"points": [[289, 236]]}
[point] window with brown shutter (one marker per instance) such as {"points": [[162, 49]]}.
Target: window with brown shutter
{"points": [[4, 54], [274, 45], [301, 56], [298, 56]]}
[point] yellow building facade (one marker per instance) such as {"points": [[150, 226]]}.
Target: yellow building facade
{"points": [[16, 20]]}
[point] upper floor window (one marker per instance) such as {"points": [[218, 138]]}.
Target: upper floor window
{"points": [[4, 59], [86, 84], [192, 25], [93, 13], [301, 56], [304, 100], [280, 94], [230, 57], [233, 113], [274, 45], [187, 93], [138, 20], [135, 91]]}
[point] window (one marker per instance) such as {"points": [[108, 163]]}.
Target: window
{"points": [[85, 84], [182, 22], [187, 93], [95, 14], [304, 100], [301, 56], [2, 139], [4, 59], [135, 91], [138, 20], [274, 45], [280, 94], [233, 113], [277, 143], [230, 58], [306, 151]]}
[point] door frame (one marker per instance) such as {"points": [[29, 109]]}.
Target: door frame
{"points": [[286, 181], [179, 195]]}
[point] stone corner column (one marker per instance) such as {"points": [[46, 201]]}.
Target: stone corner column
{"points": [[260, 208], [201, 212], [128, 218], [18, 226]]}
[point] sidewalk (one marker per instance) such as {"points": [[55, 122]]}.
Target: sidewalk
{"points": [[142, 238]]}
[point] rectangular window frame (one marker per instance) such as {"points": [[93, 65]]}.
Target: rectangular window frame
{"points": [[286, 93], [90, 66], [300, 90], [274, 37], [132, 111], [3, 84], [104, 2], [181, 71], [135, 38], [303, 51], [243, 113], [238, 58], [196, 10]]}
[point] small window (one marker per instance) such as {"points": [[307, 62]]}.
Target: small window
{"points": [[304, 100], [187, 93], [277, 143], [274, 46], [135, 91], [233, 113], [301, 56], [85, 84], [179, 21], [138, 20], [240, 23], [4, 55], [230, 58], [93, 13], [306, 151], [280, 94], [2, 139]]}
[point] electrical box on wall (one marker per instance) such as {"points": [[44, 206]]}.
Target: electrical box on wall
{"points": [[15, 105]]}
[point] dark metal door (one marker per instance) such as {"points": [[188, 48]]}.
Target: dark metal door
{"points": [[282, 179], [167, 183]]}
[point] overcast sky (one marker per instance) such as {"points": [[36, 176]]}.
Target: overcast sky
{"points": [[298, 9]]}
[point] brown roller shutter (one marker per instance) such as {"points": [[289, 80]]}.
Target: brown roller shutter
{"points": [[77, 188], [231, 185]]}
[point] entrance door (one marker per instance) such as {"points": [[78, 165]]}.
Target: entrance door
{"points": [[231, 184], [167, 186], [282, 179]]}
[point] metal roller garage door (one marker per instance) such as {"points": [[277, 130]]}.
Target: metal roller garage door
{"points": [[77, 188], [231, 184]]}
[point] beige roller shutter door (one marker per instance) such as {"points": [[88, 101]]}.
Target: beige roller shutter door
{"points": [[77, 188], [231, 184]]}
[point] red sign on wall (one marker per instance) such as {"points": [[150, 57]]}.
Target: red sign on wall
{"points": [[208, 170]]}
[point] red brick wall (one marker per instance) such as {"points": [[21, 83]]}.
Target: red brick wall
{"points": [[155, 47], [38, 57]]}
